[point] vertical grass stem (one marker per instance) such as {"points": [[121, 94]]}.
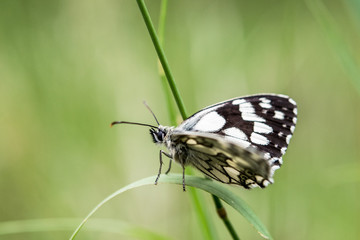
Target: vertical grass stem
{"points": [[202, 216]]}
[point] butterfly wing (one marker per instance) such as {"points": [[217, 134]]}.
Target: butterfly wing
{"points": [[260, 124], [224, 160], [264, 121]]}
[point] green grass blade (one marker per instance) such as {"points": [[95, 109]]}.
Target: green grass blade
{"points": [[67, 224], [206, 226], [166, 90], [162, 57], [207, 185]]}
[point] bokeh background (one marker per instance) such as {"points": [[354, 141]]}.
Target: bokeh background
{"points": [[69, 68]]}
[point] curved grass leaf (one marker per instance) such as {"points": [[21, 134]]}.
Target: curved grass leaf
{"points": [[205, 184], [67, 224]]}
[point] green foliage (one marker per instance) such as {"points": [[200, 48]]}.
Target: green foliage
{"points": [[67, 224], [207, 185]]}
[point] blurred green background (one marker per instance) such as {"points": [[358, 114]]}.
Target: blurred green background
{"points": [[69, 68]]}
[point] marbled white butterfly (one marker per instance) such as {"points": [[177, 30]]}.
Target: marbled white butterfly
{"points": [[239, 141]]}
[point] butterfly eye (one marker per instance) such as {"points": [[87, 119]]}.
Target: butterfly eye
{"points": [[160, 135], [157, 135]]}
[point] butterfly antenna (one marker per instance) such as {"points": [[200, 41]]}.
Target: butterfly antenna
{"points": [[147, 106], [134, 123]]}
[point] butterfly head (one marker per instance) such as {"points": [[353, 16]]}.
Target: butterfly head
{"points": [[159, 134]]}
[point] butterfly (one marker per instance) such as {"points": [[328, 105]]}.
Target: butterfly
{"points": [[240, 141]]}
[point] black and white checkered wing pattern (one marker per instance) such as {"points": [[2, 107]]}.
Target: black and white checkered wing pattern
{"points": [[223, 160], [262, 122]]}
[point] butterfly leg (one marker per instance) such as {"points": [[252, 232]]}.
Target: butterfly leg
{"points": [[161, 163], [183, 178], [167, 171]]}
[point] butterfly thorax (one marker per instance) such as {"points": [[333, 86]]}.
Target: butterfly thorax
{"points": [[162, 136]]}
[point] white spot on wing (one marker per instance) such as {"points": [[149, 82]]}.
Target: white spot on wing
{"points": [[259, 139], [238, 136], [271, 180], [188, 124], [231, 163], [238, 101], [249, 181], [246, 107], [295, 111], [210, 122], [242, 143], [272, 170], [236, 133], [266, 183], [283, 150], [265, 105], [191, 142], [288, 137], [251, 117], [253, 185], [221, 176], [258, 178], [262, 128], [292, 101], [232, 173], [247, 111], [265, 100], [279, 115], [294, 120], [292, 128]]}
